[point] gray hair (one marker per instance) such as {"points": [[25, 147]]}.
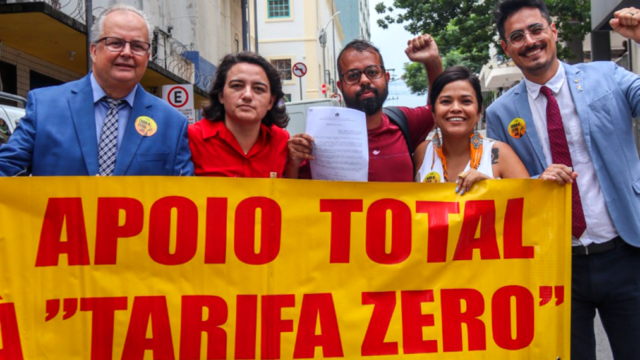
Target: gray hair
{"points": [[98, 25]]}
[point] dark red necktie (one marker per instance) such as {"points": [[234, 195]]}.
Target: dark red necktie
{"points": [[560, 154]]}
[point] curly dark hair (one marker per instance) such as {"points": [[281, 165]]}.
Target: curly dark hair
{"points": [[214, 110], [506, 8], [454, 73]]}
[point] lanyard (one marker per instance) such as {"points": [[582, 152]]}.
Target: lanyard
{"points": [[475, 147]]}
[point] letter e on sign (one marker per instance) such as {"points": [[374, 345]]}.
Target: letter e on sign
{"points": [[178, 96]]}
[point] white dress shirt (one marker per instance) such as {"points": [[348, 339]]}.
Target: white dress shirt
{"points": [[600, 228]]}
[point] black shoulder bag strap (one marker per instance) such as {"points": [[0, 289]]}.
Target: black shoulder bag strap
{"points": [[397, 117]]}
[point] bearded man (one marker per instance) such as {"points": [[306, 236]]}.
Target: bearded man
{"points": [[364, 83]]}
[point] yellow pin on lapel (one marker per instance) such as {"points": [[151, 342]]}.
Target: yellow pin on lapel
{"points": [[146, 126], [432, 177], [517, 128]]}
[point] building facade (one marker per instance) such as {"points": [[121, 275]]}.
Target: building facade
{"points": [[351, 10], [45, 43], [603, 43], [289, 32]]}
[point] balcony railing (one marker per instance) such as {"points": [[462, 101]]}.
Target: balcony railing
{"points": [[624, 61], [166, 51], [72, 8]]}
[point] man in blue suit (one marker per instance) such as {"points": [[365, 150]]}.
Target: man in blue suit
{"points": [[105, 123], [564, 121]]}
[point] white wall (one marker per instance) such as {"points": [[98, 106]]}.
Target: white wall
{"points": [[208, 26], [296, 38]]}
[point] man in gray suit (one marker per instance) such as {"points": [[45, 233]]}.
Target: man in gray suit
{"points": [[564, 121]]}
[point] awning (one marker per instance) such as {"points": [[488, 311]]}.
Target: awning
{"points": [[39, 30], [504, 76]]}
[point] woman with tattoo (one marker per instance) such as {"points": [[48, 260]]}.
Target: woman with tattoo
{"points": [[457, 148]]}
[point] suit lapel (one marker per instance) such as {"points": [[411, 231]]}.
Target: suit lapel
{"points": [[83, 115], [576, 85], [524, 112], [131, 139]]}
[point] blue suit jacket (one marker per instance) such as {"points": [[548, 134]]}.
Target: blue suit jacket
{"points": [[607, 100], [57, 136]]}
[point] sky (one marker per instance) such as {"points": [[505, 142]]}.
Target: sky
{"points": [[392, 42]]}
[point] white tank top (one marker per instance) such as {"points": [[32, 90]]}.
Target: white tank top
{"points": [[432, 171]]}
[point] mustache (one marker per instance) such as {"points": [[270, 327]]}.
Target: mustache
{"points": [[366, 88], [531, 48]]}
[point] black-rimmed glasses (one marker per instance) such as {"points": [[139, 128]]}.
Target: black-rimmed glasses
{"points": [[116, 44], [353, 76], [519, 37]]}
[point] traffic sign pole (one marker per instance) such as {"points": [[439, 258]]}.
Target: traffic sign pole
{"points": [[300, 81], [299, 70]]}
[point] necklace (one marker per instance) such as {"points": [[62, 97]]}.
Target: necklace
{"points": [[475, 147]]}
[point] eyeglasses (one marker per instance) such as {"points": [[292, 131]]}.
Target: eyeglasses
{"points": [[116, 45], [372, 72], [519, 37]]}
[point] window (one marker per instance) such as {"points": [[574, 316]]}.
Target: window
{"points": [[278, 9], [284, 66], [37, 80], [8, 80]]}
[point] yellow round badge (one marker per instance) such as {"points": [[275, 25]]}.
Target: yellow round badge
{"points": [[146, 126], [517, 128], [432, 177]]}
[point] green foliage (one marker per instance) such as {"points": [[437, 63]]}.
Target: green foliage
{"points": [[465, 29], [573, 21], [454, 57], [415, 76]]}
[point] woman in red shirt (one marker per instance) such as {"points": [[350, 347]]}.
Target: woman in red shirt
{"points": [[242, 133]]}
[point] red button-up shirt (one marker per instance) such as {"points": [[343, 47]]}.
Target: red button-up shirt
{"points": [[216, 152]]}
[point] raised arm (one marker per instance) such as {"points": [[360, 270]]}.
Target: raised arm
{"points": [[423, 49], [626, 22]]}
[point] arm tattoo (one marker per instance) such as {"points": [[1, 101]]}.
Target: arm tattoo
{"points": [[495, 154]]}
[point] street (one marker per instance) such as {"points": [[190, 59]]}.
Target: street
{"points": [[603, 350]]}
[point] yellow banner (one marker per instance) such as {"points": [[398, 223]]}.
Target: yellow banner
{"points": [[215, 268]]}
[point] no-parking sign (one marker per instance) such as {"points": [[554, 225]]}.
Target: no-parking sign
{"points": [[180, 97]]}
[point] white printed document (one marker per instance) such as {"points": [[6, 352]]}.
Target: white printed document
{"points": [[341, 147]]}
